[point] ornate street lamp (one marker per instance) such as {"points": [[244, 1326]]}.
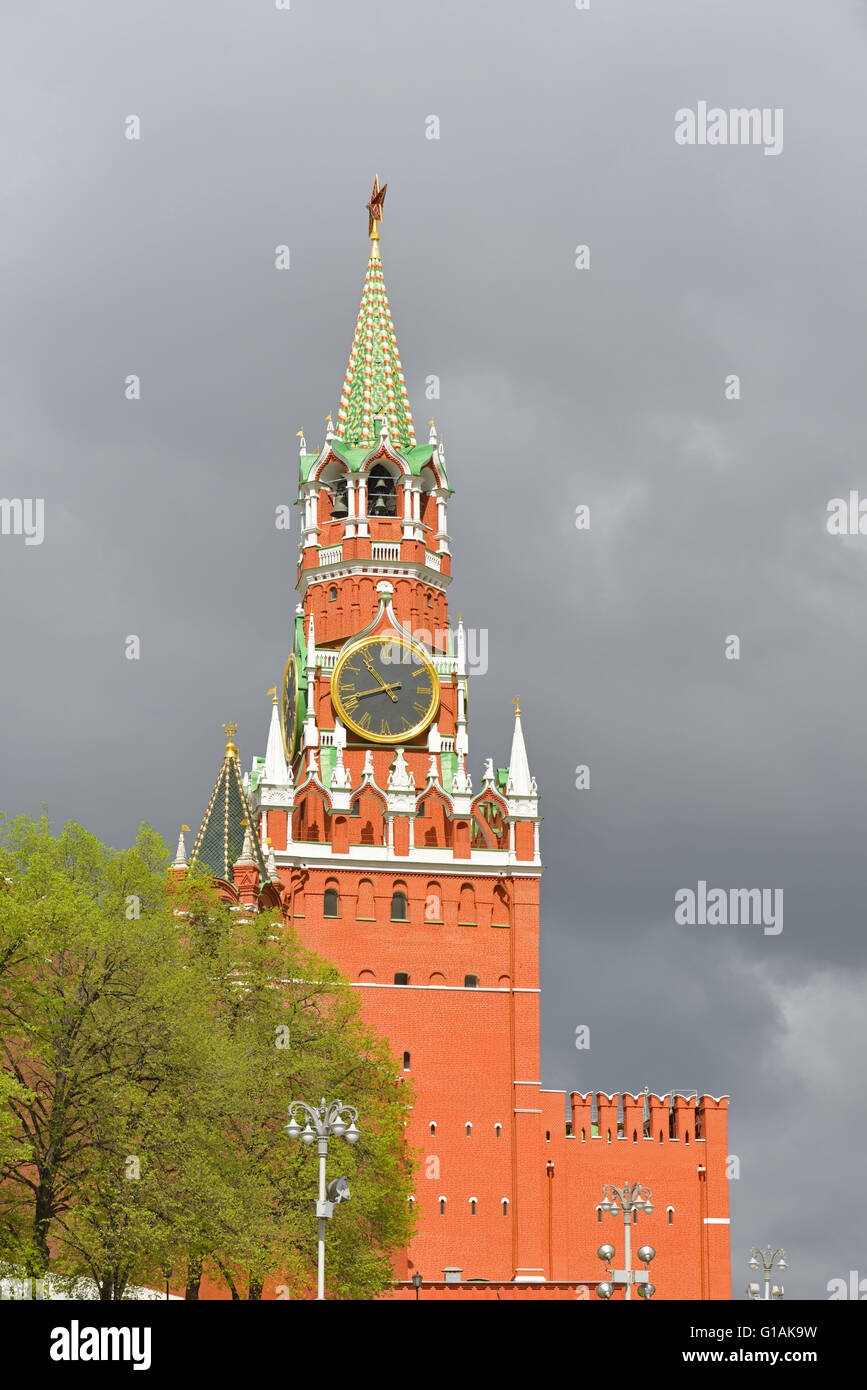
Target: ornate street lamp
{"points": [[767, 1258], [322, 1122], [631, 1197]]}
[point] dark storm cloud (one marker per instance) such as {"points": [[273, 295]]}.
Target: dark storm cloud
{"points": [[559, 387]]}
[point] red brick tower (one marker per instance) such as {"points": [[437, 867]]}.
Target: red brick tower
{"points": [[425, 892]]}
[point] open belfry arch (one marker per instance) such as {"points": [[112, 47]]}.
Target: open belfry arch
{"points": [[362, 822]]}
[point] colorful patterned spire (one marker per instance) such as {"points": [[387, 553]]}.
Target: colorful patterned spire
{"points": [[374, 384], [221, 838]]}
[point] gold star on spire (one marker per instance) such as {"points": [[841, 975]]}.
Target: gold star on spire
{"points": [[374, 208]]}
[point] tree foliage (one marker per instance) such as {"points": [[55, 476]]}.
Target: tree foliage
{"points": [[151, 1038]]}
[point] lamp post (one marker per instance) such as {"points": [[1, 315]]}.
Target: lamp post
{"points": [[767, 1258], [631, 1197], [417, 1281], [322, 1122]]}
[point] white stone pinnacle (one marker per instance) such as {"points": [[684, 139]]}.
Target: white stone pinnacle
{"points": [[180, 853], [275, 761], [520, 783]]}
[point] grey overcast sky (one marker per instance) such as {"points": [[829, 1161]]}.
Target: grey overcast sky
{"points": [[602, 386]]}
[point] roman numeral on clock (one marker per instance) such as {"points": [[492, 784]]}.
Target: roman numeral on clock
{"points": [[351, 703], [384, 729], [364, 722], [419, 707]]}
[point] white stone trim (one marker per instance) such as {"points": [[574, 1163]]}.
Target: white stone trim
{"points": [[367, 569], [421, 858], [453, 989]]}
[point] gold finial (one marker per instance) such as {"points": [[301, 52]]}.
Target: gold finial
{"points": [[431, 420], [515, 703], [374, 208], [231, 730], [186, 829], [273, 693], [460, 617]]}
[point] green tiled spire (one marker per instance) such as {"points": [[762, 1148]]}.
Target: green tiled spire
{"points": [[221, 838], [374, 384]]}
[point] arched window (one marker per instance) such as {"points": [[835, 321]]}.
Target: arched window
{"points": [[364, 909], [433, 901], [547, 1136], [497, 1128], [473, 1206], [401, 977], [471, 982], [467, 906], [331, 903], [381, 492], [433, 1126], [635, 1216], [339, 508], [442, 1206], [670, 1211], [406, 1061], [469, 1129], [686, 1137], [332, 593], [599, 1215], [355, 809], [500, 910], [505, 1206], [398, 905]]}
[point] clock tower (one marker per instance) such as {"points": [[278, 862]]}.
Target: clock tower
{"points": [[424, 890]]}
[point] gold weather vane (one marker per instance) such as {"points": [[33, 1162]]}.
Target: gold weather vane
{"points": [[374, 208], [515, 703], [273, 692], [231, 730]]}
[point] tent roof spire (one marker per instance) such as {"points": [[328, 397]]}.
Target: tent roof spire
{"points": [[374, 388], [227, 819]]}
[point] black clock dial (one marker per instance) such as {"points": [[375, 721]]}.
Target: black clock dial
{"points": [[385, 688], [289, 707]]}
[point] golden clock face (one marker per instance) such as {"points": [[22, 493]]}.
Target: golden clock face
{"points": [[289, 708], [385, 688]]}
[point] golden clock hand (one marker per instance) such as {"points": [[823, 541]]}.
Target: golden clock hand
{"points": [[376, 690], [375, 674]]}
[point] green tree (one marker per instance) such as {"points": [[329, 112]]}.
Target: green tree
{"points": [[150, 1040]]}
